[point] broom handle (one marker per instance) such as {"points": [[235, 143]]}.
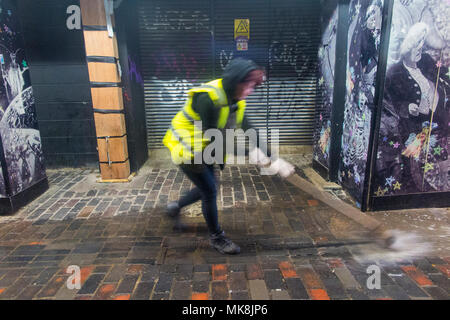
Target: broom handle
{"points": [[342, 207]]}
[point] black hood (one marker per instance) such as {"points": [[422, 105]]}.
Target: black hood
{"points": [[235, 72]]}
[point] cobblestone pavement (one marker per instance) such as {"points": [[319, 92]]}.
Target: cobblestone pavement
{"points": [[293, 246]]}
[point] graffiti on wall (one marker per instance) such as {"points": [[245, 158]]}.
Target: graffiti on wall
{"points": [[225, 58], [289, 54], [171, 90], [180, 20], [168, 65], [291, 64], [291, 42], [18, 124], [362, 59], [413, 144], [134, 72], [327, 59], [173, 69]]}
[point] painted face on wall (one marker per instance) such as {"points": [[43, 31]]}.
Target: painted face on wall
{"points": [[415, 54], [373, 17]]}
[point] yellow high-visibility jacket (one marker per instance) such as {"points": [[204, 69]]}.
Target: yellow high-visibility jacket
{"points": [[184, 139]]}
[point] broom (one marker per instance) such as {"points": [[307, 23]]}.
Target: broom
{"points": [[377, 232]]}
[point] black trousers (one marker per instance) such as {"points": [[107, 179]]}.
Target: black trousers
{"points": [[205, 189]]}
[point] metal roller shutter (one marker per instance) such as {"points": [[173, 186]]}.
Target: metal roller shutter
{"points": [[294, 41], [257, 11], [176, 55], [186, 43]]}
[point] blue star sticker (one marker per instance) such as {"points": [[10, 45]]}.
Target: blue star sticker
{"points": [[389, 181]]}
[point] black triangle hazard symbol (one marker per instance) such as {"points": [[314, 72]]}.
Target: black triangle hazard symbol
{"points": [[242, 27]]}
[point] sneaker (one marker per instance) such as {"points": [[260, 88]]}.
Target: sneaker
{"points": [[173, 209], [223, 244]]}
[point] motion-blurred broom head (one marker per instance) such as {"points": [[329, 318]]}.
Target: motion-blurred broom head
{"points": [[401, 241]]}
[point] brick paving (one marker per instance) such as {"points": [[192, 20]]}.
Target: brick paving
{"points": [[126, 247]]}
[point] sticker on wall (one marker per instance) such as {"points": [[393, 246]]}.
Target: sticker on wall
{"points": [[242, 33], [242, 45]]}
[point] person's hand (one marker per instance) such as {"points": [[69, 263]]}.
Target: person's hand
{"points": [[256, 156], [280, 166], [413, 109], [285, 169]]}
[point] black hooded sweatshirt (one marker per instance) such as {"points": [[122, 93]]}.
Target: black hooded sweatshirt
{"points": [[235, 73]]}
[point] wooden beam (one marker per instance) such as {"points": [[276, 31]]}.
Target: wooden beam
{"points": [[112, 149], [103, 72], [337, 204], [110, 124], [98, 43], [93, 12], [320, 182], [115, 170], [107, 98]]}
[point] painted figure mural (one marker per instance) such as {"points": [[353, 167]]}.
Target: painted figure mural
{"points": [[327, 59], [414, 133], [362, 59], [18, 125]]}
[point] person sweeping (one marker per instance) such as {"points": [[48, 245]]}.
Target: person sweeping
{"points": [[219, 104]]}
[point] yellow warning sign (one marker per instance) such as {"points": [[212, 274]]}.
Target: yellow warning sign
{"points": [[242, 28]]}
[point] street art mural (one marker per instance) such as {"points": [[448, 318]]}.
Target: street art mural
{"points": [[18, 125], [327, 59], [413, 143], [362, 59]]}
